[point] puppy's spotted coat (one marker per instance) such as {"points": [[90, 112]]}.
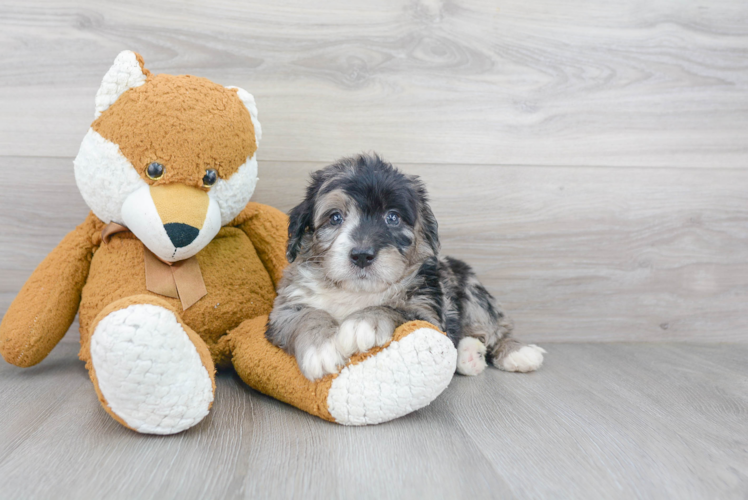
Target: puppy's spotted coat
{"points": [[364, 249]]}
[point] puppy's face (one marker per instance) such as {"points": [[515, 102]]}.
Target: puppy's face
{"points": [[363, 223]]}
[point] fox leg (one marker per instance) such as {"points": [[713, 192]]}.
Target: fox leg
{"points": [[152, 373], [405, 374]]}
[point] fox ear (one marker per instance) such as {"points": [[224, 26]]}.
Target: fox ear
{"points": [[249, 102], [126, 72]]}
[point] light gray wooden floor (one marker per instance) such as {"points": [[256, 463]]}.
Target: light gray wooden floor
{"points": [[617, 420]]}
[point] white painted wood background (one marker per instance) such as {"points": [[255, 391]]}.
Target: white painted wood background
{"points": [[588, 158]]}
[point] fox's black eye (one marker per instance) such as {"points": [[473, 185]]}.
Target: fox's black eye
{"points": [[392, 219], [154, 171], [336, 219], [210, 177]]}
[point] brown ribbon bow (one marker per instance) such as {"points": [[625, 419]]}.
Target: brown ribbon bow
{"points": [[181, 280]]}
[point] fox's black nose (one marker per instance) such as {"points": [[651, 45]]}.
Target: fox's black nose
{"points": [[363, 257], [180, 234]]}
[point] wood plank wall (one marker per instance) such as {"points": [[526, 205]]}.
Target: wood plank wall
{"points": [[588, 158]]}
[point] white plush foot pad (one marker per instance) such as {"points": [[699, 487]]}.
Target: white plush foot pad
{"points": [[404, 377], [471, 356], [525, 359], [149, 371]]}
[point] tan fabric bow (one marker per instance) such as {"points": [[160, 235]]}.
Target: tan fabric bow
{"points": [[181, 280]]}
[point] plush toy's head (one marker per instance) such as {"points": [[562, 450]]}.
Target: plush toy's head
{"points": [[172, 158]]}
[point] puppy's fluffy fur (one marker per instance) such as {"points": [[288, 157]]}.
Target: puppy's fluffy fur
{"points": [[364, 249]]}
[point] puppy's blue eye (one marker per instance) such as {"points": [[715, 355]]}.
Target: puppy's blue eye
{"points": [[336, 219], [392, 219]]}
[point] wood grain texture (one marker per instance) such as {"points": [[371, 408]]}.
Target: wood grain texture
{"points": [[661, 83], [588, 160], [597, 421], [574, 253]]}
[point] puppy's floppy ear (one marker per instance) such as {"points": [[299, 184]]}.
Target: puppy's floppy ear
{"points": [[301, 217], [300, 220], [426, 216], [430, 227]]}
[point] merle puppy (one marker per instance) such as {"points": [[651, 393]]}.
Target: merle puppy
{"points": [[364, 248]]}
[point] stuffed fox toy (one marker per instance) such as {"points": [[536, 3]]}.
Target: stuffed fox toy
{"points": [[173, 272]]}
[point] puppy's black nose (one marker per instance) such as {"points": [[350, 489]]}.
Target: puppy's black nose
{"points": [[180, 234], [363, 257]]}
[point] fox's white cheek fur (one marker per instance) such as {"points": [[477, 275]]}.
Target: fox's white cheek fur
{"points": [[104, 177], [233, 194]]}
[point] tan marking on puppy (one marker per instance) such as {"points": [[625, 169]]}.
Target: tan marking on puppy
{"points": [[211, 129], [335, 199]]}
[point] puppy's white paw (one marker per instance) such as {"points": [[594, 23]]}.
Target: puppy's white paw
{"points": [[525, 359], [320, 360], [359, 334], [471, 356]]}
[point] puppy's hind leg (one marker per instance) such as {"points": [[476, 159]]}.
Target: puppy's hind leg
{"points": [[505, 354], [513, 356], [471, 356], [485, 320]]}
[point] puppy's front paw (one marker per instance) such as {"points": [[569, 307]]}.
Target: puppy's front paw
{"points": [[319, 360], [359, 333]]}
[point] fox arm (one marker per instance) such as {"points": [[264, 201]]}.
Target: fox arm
{"points": [[267, 228], [46, 306]]}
